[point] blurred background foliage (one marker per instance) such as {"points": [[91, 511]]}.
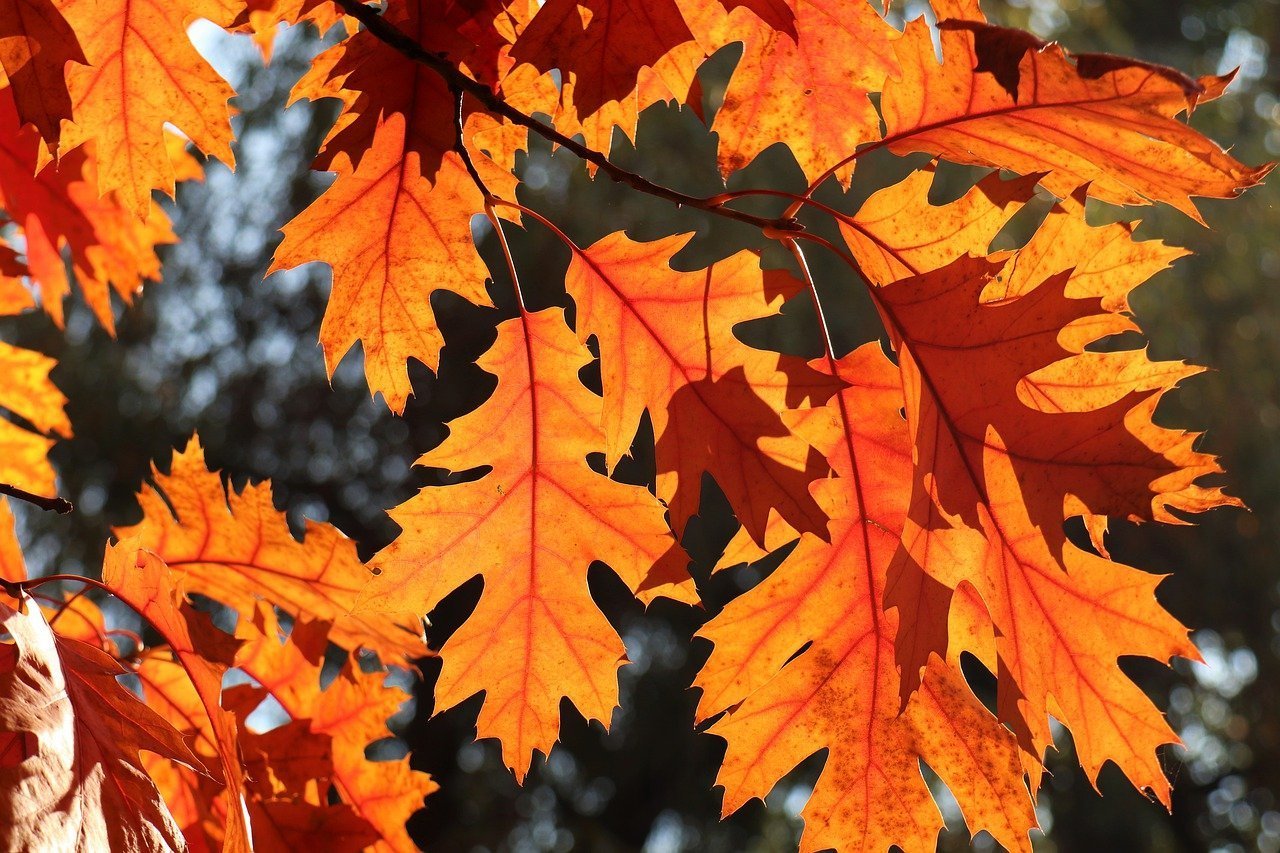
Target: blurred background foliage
{"points": [[214, 348]]}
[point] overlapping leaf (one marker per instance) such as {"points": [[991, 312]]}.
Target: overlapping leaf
{"points": [[236, 547], [805, 660], [70, 737], [351, 711], [36, 43], [601, 47], [396, 224], [59, 207], [141, 580], [1002, 98], [531, 527], [142, 74], [806, 88], [667, 346], [1015, 429]]}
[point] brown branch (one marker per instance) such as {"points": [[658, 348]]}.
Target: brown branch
{"points": [[61, 506], [396, 39]]}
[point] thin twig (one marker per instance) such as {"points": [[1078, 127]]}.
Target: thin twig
{"points": [[392, 36], [61, 506]]}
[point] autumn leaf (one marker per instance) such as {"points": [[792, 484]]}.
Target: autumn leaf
{"points": [[143, 72], [36, 43], [807, 88], [29, 393], [805, 660], [352, 711], [1009, 101], [141, 580], [601, 47], [897, 233], [398, 181], [667, 346], [236, 548], [194, 799], [58, 207], [280, 767], [970, 367], [75, 782], [536, 636]]}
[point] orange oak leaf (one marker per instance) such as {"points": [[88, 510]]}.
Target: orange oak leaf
{"points": [[279, 767], [193, 798], [392, 238], [667, 345], [1060, 634], [28, 393], [807, 89], [396, 225], [36, 43], [1105, 122], [352, 711], [141, 580], [236, 547], [805, 660], [58, 207], [530, 527], [602, 47], [970, 364], [262, 19], [994, 385], [897, 233], [75, 780], [143, 72]]}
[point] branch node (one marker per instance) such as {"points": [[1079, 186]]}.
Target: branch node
{"points": [[60, 505]]}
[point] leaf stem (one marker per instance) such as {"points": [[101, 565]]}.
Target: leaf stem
{"points": [[555, 229], [13, 587], [60, 505], [395, 38], [506, 252], [807, 275], [799, 200]]}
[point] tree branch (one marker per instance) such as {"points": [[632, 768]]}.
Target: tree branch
{"points": [[61, 506], [396, 39]]}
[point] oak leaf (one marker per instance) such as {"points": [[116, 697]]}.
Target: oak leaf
{"points": [[805, 660], [141, 580], [36, 43], [57, 207], [75, 780], [998, 467], [808, 88], [1109, 124], [602, 47], [352, 711], [396, 225], [143, 72], [531, 527], [236, 548], [29, 393]]}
